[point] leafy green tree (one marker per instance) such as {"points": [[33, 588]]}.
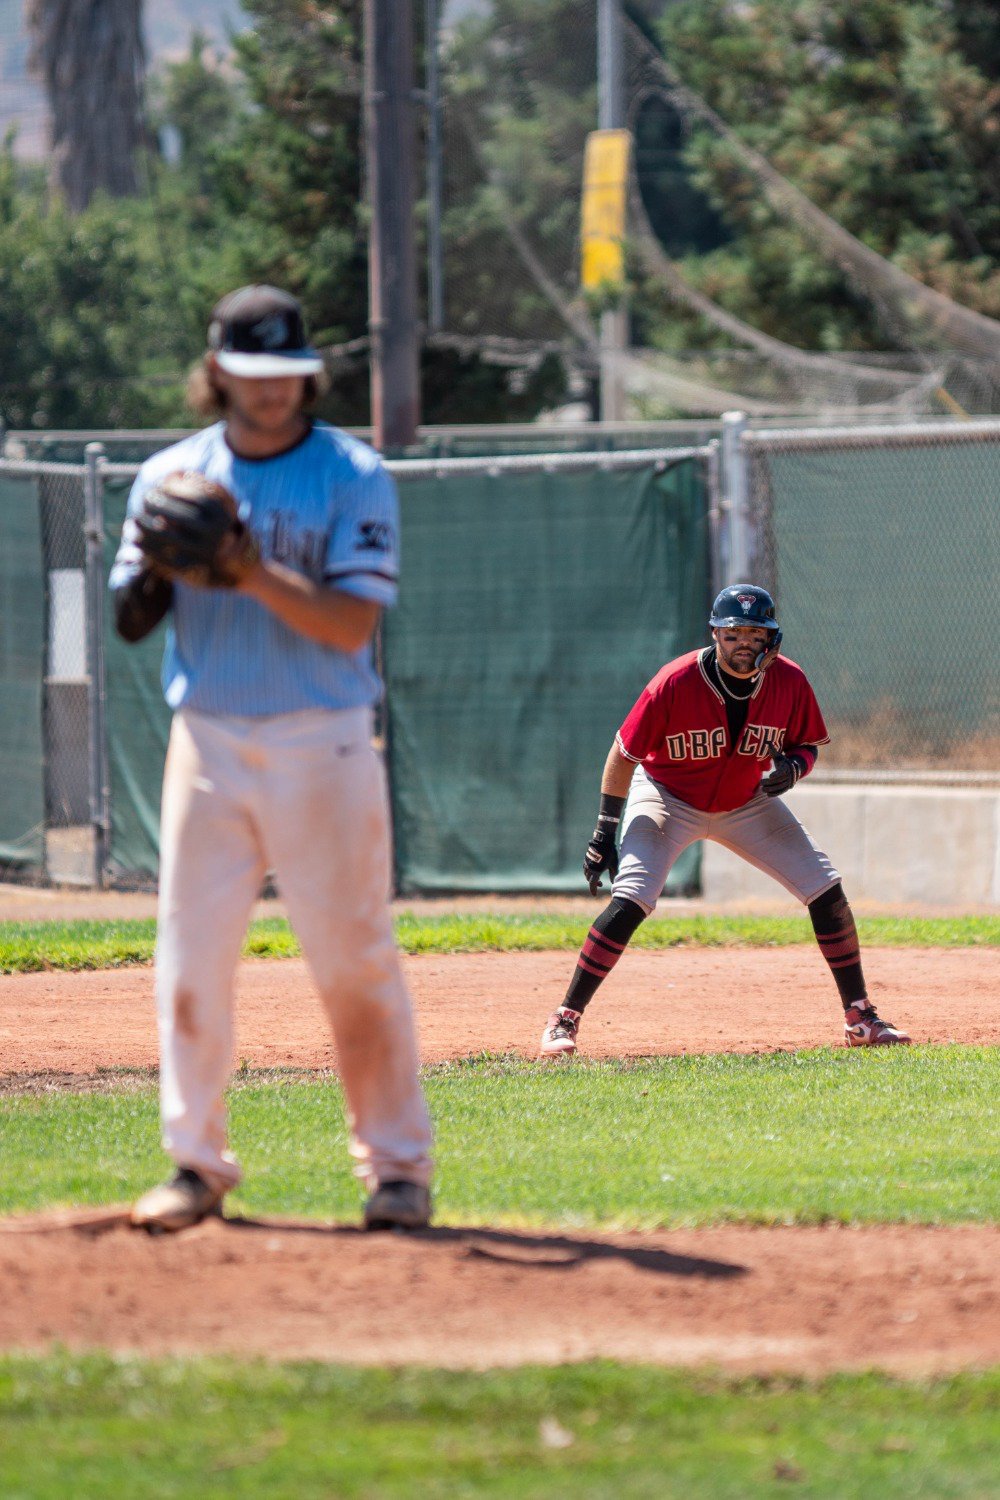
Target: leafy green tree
{"points": [[874, 111], [273, 165], [521, 97], [195, 98], [71, 315], [295, 167], [103, 314], [977, 32]]}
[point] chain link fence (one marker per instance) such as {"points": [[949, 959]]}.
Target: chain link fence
{"points": [[49, 672], [84, 759], [497, 718], [461, 440], [882, 547], [433, 442]]}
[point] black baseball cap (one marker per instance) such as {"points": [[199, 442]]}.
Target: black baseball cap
{"points": [[259, 332]]}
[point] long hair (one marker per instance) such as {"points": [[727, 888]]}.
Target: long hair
{"points": [[206, 399]]}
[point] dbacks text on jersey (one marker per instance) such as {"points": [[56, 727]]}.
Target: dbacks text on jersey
{"points": [[761, 741]]}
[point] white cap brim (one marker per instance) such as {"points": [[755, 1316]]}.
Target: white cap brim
{"points": [[267, 366]]}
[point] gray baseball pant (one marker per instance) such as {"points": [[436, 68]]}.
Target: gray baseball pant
{"points": [[657, 827]]}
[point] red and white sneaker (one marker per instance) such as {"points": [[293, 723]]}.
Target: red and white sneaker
{"points": [[559, 1036], [863, 1028]]}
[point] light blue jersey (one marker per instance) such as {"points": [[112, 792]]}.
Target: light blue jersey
{"points": [[326, 508]]}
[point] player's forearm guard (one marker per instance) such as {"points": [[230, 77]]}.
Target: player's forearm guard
{"points": [[610, 811]]}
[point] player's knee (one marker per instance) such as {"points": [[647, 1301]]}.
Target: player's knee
{"points": [[368, 997], [354, 955], [366, 1023], [626, 915], [832, 905], [618, 921]]}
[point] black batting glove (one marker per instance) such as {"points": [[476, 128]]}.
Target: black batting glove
{"points": [[601, 855], [787, 770], [602, 851]]}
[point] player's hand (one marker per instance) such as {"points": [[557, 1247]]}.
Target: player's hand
{"points": [[601, 855], [787, 770], [188, 528]]}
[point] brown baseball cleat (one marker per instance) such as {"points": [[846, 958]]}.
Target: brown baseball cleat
{"points": [[398, 1205], [178, 1204], [559, 1036], [863, 1028]]}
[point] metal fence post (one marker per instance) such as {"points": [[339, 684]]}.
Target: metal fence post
{"points": [[737, 537], [100, 793], [716, 517]]}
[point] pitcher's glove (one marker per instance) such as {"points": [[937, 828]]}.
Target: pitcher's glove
{"points": [[787, 770], [188, 528]]}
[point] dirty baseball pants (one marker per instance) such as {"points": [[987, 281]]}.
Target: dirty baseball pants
{"points": [[302, 794], [657, 827]]}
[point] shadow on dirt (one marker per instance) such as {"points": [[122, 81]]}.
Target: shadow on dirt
{"points": [[510, 1247], [506, 1247]]}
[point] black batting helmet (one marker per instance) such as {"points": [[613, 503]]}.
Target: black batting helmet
{"points": [[743, 604]]}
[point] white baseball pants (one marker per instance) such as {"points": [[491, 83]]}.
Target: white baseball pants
{"points": [[302, 794], [657, 826]]}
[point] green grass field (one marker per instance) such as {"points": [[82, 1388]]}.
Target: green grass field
{"points": [[95, 1427], [664, 1141], [659, 1142], [27, 947]]}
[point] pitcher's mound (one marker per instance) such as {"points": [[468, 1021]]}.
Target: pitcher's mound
{"points": [[908, 1300]]}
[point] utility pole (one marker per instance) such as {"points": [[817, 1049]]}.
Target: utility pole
{"points": [[611, 116], [435, 256], [392, 272]]}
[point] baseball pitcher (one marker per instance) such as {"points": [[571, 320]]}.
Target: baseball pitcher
{"points": [[690, 762], [271, 539]]}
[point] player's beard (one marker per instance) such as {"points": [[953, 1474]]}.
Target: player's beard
{"points": [[740, 661]]}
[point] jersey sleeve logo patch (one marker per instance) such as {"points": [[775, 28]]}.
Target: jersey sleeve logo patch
{"points": [[376, 536]]}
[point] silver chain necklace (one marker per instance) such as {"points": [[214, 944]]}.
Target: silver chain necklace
{"points": [[736, 697]]}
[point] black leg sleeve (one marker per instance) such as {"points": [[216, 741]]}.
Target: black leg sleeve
{"points": [[603, 948], [833, 924]]}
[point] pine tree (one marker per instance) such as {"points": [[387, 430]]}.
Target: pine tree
{"points": [[875, 111], [91, 57]]}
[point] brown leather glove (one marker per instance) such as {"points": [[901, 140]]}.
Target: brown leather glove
{"points": [[188, 528]]}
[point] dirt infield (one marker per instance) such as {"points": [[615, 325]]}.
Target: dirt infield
{"points": [[908, 1301], [806, 1300], [684, 1000]]}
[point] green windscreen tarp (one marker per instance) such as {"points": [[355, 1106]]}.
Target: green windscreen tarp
{"points": [[138, 722], [534, 608], [22, 669], [887, 562]]}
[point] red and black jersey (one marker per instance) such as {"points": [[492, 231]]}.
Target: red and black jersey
{"points": [[678, 731]]}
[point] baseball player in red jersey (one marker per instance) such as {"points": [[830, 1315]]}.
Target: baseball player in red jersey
{"points": [[689, 759]]}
